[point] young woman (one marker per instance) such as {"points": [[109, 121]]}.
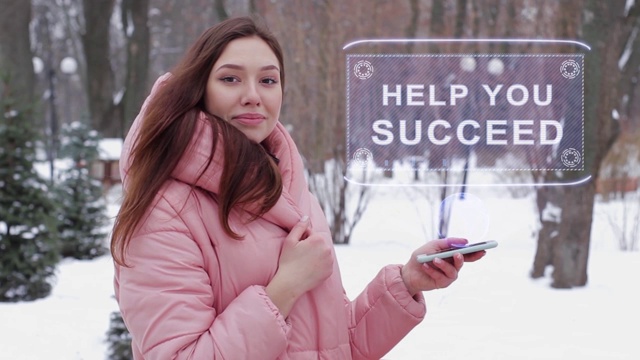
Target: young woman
{"points": [[221, 251]]}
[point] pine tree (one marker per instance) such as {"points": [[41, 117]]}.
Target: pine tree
{"points": [[28, 242], [82, 217], [118, 339]]}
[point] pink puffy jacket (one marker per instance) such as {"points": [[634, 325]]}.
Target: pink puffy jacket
{"points": [[192, 292]]}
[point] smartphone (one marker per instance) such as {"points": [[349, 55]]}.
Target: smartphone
{"points": [[457, 249]]}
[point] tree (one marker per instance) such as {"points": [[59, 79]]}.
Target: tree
{"points": [[28, 245], [15, 49], [82, 209], [118, 339], [100, 75], [135, 18], [609, 28]]}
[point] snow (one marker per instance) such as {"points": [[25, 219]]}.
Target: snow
{"points": [[628, 49], [627, 6], [552, 213], [44, 168], [110, 148], [493, 311]]}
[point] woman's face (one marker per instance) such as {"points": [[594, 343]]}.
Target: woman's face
{"points": [[244, 87]]}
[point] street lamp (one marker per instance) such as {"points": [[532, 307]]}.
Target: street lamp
{"points": [[38, 65], [467, 64], [495, 67], [68, 66], [39, 68]]}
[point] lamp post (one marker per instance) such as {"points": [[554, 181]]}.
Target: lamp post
{"points": [[495, 67], [39, 67], [68, 66], [53, 143], [467, 64]]}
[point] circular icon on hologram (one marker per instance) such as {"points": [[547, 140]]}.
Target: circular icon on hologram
{"points": [[463, 215], [363, 69], [569, 69], [362, 157], [571, 157]]}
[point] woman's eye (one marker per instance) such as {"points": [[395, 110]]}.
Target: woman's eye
{"points": [[229, 79], [269, 81]]}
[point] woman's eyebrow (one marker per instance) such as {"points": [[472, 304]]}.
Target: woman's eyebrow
{"points": [[270, 67], [240, 67]]}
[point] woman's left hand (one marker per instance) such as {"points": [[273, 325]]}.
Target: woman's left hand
{"points": [[439, 273]]}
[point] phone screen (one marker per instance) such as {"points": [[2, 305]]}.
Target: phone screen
{"points": [[461, 246], [454, 249]]}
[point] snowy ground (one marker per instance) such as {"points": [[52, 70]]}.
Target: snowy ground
{"points": [[494, 311]]}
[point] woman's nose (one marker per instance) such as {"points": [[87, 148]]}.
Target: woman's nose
{"points": [[251, 95]]}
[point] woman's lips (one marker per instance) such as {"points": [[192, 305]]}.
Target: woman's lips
{"points": [[249, 119]]}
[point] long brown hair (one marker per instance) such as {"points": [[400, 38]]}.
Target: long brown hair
{"points": [[249, 176]]}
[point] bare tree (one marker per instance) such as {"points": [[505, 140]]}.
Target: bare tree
{"points": [[619, 178], [15, 50], [566, 26], [100, 75], [608, 28], [135, 18], [221, 11]]}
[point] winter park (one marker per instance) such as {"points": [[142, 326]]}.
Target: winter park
{"points": [[516, 122]]}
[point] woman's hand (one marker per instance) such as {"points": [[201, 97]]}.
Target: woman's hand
{"points": [[439, 273], [306, 260]]}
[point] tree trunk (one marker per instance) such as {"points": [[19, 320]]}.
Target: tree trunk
{"points": [[546, 200], [100, 76], [15, 52], [549, 199], [571, 250], [412, 27], [606, 28], [221, 11], [138, 47]]}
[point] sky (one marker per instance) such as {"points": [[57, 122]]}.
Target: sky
{"points": [[493, 311]]}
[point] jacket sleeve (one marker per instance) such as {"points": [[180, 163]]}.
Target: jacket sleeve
{"points": [[166, 297], [383, 314]]}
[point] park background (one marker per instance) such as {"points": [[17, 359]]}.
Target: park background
{"points": [[567, 255]]}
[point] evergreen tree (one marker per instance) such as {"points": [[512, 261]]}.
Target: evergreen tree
{"points": [[28, 245], [118, 339], [82, 217]]}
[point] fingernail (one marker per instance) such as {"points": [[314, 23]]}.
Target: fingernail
{"points": [[304, 218]]}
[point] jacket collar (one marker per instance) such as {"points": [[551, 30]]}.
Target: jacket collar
{"points": [[286, 212]]}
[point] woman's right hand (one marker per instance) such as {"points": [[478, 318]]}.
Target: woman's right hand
{"points": [[306, 260]]}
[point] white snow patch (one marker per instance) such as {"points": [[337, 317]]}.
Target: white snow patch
{"points": [[552, 213], [110, 148]]}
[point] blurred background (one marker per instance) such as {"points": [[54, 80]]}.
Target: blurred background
{"points": [[74, 73]]}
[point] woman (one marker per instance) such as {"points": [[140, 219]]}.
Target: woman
{"points": [[221, 251]]}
